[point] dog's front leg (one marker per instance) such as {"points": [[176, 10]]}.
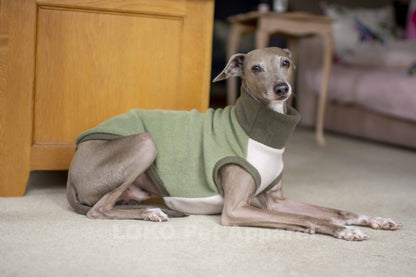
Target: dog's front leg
{"points": [[274, 200], [239, 188]]}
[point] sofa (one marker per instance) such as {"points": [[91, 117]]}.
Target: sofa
{"points": [[372, 87]]}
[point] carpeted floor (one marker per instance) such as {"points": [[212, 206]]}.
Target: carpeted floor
{"points": [[41, 236]]}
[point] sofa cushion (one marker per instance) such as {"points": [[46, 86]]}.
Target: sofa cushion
{"points": [[353, 26], [387, 91], [396, 54]]}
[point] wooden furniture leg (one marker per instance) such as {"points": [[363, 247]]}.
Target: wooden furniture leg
{"points": [[237, 30], [262, 38], [293, 47], [326, 70], [234, 40], [16, 94]]}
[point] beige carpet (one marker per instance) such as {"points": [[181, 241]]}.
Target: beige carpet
{"points": [[41, 236]]}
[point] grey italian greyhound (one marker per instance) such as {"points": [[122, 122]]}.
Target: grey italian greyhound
{"points": [[238, 158]]}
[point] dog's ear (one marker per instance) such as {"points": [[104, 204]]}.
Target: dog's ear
{"points": [[233, 68], [288, 53]]}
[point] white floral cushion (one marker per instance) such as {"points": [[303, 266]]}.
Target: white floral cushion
{"points": [[354, 26]]}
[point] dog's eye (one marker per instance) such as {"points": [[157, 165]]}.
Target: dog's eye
{"points": [[286, 63], [256, 69]]}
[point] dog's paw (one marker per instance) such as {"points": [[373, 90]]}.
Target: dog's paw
{"points": [[351, 234], [379, 223], [155, 215]]}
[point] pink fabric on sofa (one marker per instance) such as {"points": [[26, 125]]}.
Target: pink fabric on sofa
{"points": [[411, 22], [387, 91]]}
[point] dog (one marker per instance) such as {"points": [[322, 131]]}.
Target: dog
{"points": [[207, 163]]}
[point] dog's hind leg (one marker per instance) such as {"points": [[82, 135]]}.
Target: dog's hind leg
{"points": [[105, 209], [103, 172]]}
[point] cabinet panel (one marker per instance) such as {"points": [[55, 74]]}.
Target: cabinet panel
{"points": [[93, 65]]}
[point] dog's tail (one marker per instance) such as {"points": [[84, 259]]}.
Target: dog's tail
{"points": [[71, 195]]}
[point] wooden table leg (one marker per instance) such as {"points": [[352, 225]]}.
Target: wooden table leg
{"points": [[326, 71], [237, 30], [292, 44], [262, 38]]}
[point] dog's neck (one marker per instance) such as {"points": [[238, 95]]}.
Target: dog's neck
{"points": [[279, 107], [263, 124]]}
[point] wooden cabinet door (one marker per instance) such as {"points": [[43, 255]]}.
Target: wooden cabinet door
{"points": [[76, 63]]}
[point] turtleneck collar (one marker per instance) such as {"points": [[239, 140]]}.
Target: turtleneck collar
{"points": [[263, 124]]}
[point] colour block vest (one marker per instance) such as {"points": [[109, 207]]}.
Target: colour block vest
{"points": [[193, 146]]}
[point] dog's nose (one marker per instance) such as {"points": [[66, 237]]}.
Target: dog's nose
{"points": [[281, 89]]}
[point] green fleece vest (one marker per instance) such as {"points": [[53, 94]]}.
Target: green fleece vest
{"points": [[193, 146]]}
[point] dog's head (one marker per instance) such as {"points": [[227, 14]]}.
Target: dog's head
{"points": [[267, 73]]}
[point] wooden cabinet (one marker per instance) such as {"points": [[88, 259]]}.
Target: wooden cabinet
{"points": [[68, 65]]}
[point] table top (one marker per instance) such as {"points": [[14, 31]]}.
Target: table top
{"points": [[251, 17]]}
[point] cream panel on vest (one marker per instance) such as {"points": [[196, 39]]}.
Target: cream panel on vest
{"points": [[267, 160], [203, 205]]}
